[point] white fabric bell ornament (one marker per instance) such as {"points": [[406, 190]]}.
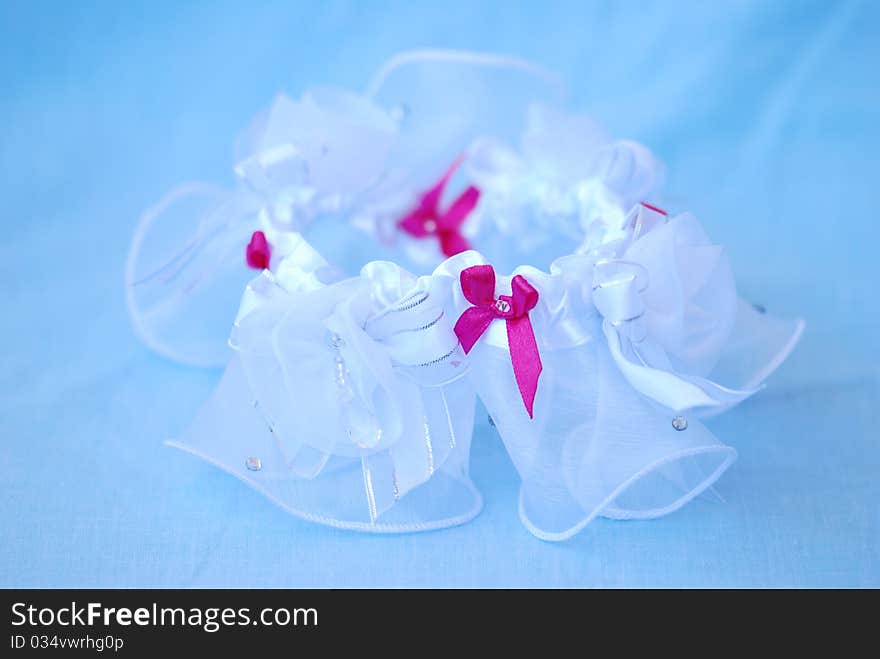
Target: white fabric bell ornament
{"points": [[194, 251], [627, 340], [345, 403]]}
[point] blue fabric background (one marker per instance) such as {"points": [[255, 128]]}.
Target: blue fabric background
{"points": [[768, 115]]}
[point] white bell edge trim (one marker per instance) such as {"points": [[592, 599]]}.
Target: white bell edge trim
{"points": [[758, 379], [464, 57], [349, 526], [781, 356], [148, 218], [602, 508]]}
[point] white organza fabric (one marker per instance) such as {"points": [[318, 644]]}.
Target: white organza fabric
{"points": [[335, 155]]}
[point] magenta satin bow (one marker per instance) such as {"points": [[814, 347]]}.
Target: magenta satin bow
{"points": [[478, 286], [427, 219], [258, 251]]}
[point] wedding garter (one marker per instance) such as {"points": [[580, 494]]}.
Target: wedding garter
{"points": [[350, 400]]}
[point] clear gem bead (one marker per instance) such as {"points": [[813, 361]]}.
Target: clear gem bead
{"points": [[253, 464], [503, 306], [334, 341], [430, 226], [680, 423]]}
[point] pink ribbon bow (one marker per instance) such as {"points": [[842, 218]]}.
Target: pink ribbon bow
{"points": [[427, 219], [478, 286], [258, 252]]}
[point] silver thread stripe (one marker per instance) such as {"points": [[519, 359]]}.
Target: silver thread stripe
{"points": [[406, 306], [368, 486], [422, 328], [440, 359], [430, 450], [448, 419]]}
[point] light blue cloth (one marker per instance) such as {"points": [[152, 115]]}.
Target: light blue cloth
{"points": [[767, 115]]}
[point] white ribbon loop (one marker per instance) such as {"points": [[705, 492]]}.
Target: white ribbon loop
{"points": [[619, 291]]}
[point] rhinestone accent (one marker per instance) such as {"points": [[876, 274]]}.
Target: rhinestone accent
{"points": [[679, 423], [253, 464], [334, 341], [430, 226], [503, 306]]}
